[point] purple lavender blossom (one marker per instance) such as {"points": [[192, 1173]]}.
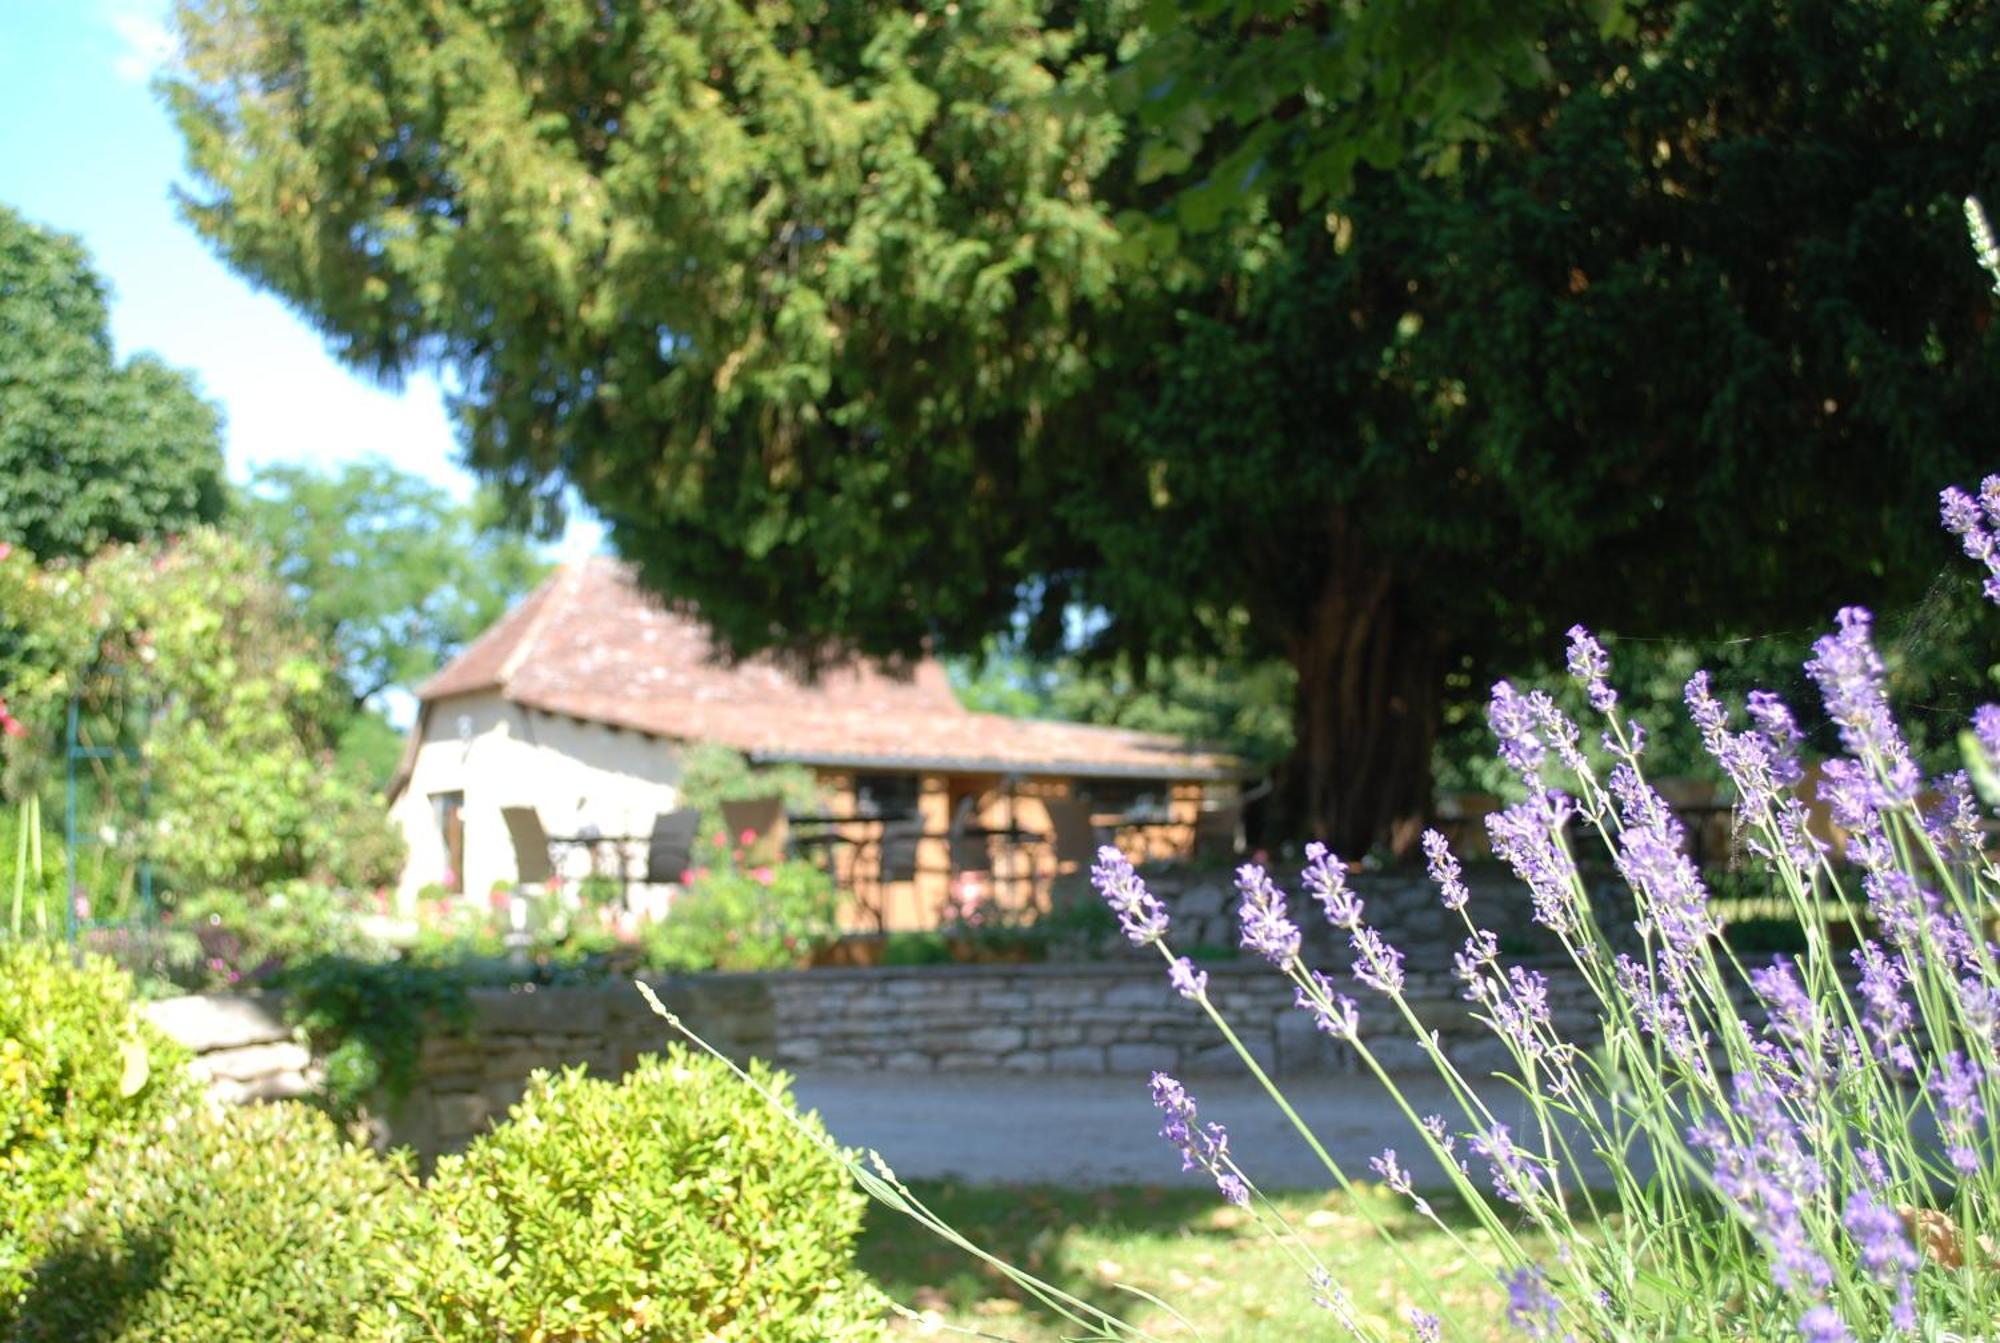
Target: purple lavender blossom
{"points": [[1774, 719], [1376, 963], [1657, 1007], [1590, 666], [1675, 901], [1962, 518], [1986, 727], [1325, 879], [1956, 1085], [1425, 1327], [1187, 981], [1559, 732], [1885, 1016], [1822, 1324], [1267, 930], [1333, 1013], [1531, 1307], [1445, 871], [1526, 835], [1512, 719], [1141, 915], [1640, 804], [1202, 1146], [1391, 1171], [1433, 1124], [1481, 949], [1516, 1176], [1794, 1018], [1849, 674], [1769, 1177], [1878, 1233]]}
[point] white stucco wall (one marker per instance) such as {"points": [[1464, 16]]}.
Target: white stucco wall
{"points": [[501, 755]]}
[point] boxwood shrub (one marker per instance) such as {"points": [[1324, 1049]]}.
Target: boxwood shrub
{"points": [[224, 1225], [78, 1065], [675, 1204]]}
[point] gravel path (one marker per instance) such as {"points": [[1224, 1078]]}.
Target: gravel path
{"points": [[1007, 1128]]}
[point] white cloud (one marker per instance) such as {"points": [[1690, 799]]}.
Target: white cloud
{"points": [[144, 44]]}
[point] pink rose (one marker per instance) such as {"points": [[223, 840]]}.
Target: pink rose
{"points": [[747, 837], [762, 874]]}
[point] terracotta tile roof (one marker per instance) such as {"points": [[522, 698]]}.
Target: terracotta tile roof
{"points": [[590, 644]]}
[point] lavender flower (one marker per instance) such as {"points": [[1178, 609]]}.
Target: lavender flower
{"points": [[1445, 871], [1333, 1013], [1526, 836], [1822, 1324], [1141, 915], [1849, 674], [1517, 1177], [1559, 732], [1768, 1177], [1376, 963], [1266, 928], [1187, 981], [1202, 1146], [1480, 950], [1878, 1233], [1425, 1327], [1531, 1306], [1391, 1171], [1590, 666], [1675, 901], [1956, 1085], [1986, 727], [1325, 880], [1512, 719], [1962, 518], [1781, 731], [1524, 1011], [1885, 1016]]}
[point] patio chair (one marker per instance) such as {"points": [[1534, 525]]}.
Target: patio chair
{"points": [[532, 865], [764, 819], [1218, 830], [1075, 837], [670, 848]]}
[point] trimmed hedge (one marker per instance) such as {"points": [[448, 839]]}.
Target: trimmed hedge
{"points": [[78, 1066], [237, 1225], [676, 1204]]}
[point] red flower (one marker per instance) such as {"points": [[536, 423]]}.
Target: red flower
{"points": [[747, 837]]}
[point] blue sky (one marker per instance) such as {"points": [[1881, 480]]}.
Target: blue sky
{"points": [[89, 150]]}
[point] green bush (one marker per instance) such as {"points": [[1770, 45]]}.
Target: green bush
{"points": [[224, 1226], [77, 1066], [731, 919], [677, 1204]]}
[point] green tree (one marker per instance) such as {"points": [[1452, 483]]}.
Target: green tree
{"points": [[189, 651], [392, 573], [827, 311], [1251, 105], [91, 450]]}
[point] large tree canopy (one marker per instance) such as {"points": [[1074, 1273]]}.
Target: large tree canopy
{"points": [[835, 312], [91, 450]]}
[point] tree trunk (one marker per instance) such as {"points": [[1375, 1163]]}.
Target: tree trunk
{"points": [[1366, 716]]}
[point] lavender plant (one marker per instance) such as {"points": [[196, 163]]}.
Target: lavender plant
{"points": [[1797, 1148]]}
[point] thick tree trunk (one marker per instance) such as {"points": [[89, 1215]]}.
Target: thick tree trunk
{"points": [[1366, 716]]}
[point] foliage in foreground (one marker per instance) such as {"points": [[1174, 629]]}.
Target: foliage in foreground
{"points": [[1803, 1148], [673, 1204], [231, 1225], [78, 1067]]}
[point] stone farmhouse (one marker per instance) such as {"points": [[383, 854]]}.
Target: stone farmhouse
{"points": [[580, 701]]}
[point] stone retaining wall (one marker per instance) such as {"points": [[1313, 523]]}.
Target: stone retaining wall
{"points": [[1091, 1019]]}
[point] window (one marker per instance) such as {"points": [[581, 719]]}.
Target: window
{"points": [[1134, 799], [449, 808], [887, 796]]}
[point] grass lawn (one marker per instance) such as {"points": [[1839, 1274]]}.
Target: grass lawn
{"points": [[1207, 1260]]}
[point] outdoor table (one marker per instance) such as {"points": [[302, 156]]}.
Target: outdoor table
{"points": [[591, 843]]}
